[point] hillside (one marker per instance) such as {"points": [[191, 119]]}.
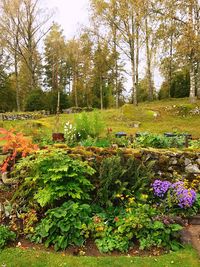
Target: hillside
{"points": [[157, 117]]}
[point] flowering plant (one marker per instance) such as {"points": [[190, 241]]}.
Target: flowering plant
{"points": [[160, 188], [180, 195], [70, 133]]}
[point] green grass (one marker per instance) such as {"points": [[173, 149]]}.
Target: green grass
{"points": [[15, 257], [123, 120]]}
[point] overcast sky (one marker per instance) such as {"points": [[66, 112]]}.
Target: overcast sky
{"points": [[70, 14]]}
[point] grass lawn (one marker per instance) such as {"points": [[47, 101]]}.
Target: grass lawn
{"points": [[16, 257], [123, 119]]}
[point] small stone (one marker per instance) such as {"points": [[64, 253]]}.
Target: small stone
{"points": [[187, 161], [192, 168], [18, 244], [198, 161], [174, 162]]}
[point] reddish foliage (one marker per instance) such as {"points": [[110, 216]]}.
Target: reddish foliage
{"points": [[17, 144]]}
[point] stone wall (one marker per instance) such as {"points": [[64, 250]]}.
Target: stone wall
{"points": [[167, 163], [22, 116], [170, 163]]}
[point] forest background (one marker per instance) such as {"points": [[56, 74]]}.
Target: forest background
{"points": [[124, 40]]}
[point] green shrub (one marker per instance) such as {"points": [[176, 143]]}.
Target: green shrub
{"points": [[122, 177], [89, 124], [134, 222], [194, 144], [159, 141], [180, 84], [64, 226], [97, 142], [36, 100], [53, 176], [6, 235]]}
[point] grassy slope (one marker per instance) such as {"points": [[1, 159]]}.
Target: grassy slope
{"points": [[123, 119], [15, 257]]}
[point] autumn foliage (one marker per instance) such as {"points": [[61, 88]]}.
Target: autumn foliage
{"points": [[17, 145]]}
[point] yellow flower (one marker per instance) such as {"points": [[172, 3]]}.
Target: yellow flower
{"points": [[144, 196], [128, 210], [131, 200]]}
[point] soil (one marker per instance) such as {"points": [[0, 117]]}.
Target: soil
{"points": [[5, 195], [90, 249]]}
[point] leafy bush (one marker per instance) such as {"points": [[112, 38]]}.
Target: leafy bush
{"points": [[135, 222], [174, 197], [18, 144], [118, 177], [159, 141], [180, 84], [64, 226], [53, 176], [97, 142], [6, 235], [36, 100], [194, 144], [89, 124]]}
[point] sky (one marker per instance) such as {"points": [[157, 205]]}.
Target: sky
{"points": [[70, 14]]}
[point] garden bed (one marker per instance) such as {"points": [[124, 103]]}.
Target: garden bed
{"points": [[120, 201], [89, 249]]}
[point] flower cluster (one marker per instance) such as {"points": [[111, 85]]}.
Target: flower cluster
{"points": [[70, 133], [160, 187], [185, 197], [181, 195]]}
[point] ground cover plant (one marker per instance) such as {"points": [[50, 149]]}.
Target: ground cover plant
{"points": [[6, 235]]}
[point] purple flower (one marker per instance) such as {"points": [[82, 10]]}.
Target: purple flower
{"points": [[182, 196], [160, 187], [185, 197]]}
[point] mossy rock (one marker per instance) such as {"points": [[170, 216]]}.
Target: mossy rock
{"points": [[163, 160], [60, 146]]}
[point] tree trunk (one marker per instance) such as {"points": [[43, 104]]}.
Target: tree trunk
{"points": [[170, 64], [198, 80], [134, 88], [101, 92], [191, 61], [149, 73], [57, 114], [197, 22], [75, 89], [132, 57], [17, 82], [192, 83], [137, 56]]}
